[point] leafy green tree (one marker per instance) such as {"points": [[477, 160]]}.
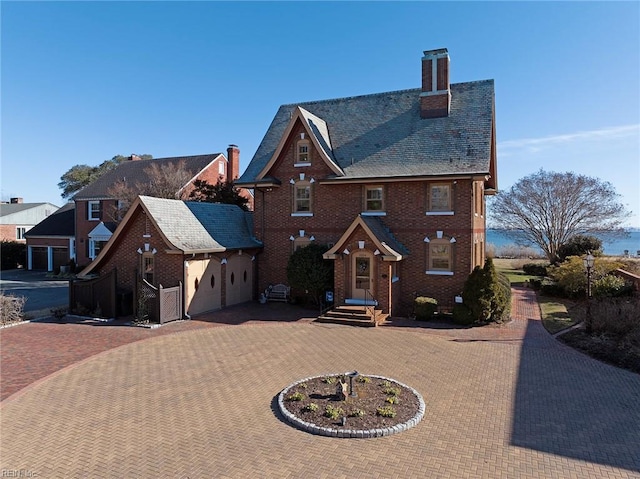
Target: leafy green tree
{"points": [[308, 272], [571, 275], [221, 192], [579, 245], [79, 176], [546, 209]]}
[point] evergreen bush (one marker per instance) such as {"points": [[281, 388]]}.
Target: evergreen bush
{"points": [[611, 286], [425, 308], [309, 272], [12, 254], [486, 295], [534, 269]]}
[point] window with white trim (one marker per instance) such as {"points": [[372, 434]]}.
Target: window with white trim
{"points": [[20, 232], [440, 255], [221, 168], [148, 267], [374, 199], [439, 199], [302, 201], [93, 210], [95, 247], [303, 154]]}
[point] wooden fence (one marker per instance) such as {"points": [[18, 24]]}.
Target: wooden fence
{"points": [[94, 296]]}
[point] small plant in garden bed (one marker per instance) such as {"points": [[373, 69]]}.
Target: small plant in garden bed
{"points": [[297, 396], [357, 413], [393, 400], [386, 411], [311, 407], [363, 379], [333, 412], [329, 379]]}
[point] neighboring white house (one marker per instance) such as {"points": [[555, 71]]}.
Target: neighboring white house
{"points": [[16, 218]]}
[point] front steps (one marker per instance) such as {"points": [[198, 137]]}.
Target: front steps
{"points": [[354, 316]]}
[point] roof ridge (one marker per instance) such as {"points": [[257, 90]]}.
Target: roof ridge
{"points": [[406, 90]]}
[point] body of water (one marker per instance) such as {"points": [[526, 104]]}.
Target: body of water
{"points": [[616, 247]]}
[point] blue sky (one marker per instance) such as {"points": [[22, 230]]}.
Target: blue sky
{"points": [[85, 81]]}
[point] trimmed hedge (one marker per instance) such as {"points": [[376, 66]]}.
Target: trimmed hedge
{"points": [[425, 308], [486, 297]]}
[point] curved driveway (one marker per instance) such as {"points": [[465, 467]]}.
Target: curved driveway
{"points": [[500, 402]]}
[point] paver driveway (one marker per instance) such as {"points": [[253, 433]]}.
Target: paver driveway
{"points": [[500, 402]]}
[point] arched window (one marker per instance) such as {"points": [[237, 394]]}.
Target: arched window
{"points": [[440, 255]]}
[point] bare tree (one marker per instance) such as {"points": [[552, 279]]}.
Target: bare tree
{"points": [[546, 209], [166, 180]]}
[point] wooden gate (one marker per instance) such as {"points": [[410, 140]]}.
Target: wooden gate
{"points": [[170, 303]]}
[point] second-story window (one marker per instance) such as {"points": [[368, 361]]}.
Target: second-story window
{"points": [[93, 210], [302, 197], [374, 199], [20, 232], [302, 152], [440, 199]]}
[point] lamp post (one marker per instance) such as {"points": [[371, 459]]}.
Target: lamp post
{"points": [[588, 261]]}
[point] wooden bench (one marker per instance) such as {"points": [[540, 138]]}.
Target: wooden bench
{"points": [[278, 292]]}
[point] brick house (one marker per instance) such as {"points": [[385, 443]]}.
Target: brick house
{"points": [[18, 217], [51, 243], [97, 209], [394, 183], [207, 247]]}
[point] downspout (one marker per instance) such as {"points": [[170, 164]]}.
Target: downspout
{"points": [[184, 290]]}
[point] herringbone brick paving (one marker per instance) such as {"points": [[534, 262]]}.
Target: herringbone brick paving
{"points": [[500, 402]]}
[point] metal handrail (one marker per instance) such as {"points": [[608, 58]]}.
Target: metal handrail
{"points": [[367, 293]]}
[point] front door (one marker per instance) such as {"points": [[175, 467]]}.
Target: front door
{"points": [[362, 277]]}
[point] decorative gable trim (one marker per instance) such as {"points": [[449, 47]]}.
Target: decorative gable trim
{"points": [[313, 126], [388, 254]]}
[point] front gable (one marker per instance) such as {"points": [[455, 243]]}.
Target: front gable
{"points": [[312, 130]]}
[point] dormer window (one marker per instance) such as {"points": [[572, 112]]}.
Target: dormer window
{"points": [[303, 154], [374, 200]]}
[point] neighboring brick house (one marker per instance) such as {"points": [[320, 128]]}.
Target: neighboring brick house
{"points": [[96, 207], [51, 243], [394, 182], [17, 217], [208, 247]]}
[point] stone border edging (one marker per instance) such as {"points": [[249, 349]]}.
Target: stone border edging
{"points": [[350, 433]]}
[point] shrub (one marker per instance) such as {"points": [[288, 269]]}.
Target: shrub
{"points": [[14, 254], [311, 407], [425, 308], [297, 396], [462, 315], [611, 286], [357, 413], [580, 245], [11, 308], [551, 288], [617, 317], [534, 269], [486, 295], [333, 412], [386, 411], [308, 272], [571, 275]]}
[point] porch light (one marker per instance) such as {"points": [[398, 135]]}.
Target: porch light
{"points": [[588, 262]]}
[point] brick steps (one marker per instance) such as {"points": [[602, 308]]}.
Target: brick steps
{"points": [[354, 316]]}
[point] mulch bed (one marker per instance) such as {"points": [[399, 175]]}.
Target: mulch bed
{"points": [[361, 411], [605, 348]]}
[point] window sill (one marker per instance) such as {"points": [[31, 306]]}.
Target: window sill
{"points": [[439, 213], [300, 165], [439, 273], [374, 213], [302, 214]]}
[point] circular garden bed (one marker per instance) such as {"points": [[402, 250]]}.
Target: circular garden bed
{"points": [[351, 405]]}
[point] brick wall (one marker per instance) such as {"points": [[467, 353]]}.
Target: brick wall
{"points": [[336, 206], [8, 233]]}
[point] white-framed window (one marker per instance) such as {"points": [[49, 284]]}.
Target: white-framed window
{"points": [[95, 247], [93, 210], [440, 255], [302, 200], [303, 153], [439, 199], [221, 169], [374, 199], [20, 232]]}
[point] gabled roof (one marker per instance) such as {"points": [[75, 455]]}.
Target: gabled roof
{"points": [[190, 227], [383, 135], [318, 132], [386, 244], [60, 223], [133, 172]]}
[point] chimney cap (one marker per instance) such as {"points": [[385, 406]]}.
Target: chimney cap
{"points": [[436, 52], [233, 146]]}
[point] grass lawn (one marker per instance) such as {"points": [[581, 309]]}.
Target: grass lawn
{"points": [[512, 268], [556, 313]]}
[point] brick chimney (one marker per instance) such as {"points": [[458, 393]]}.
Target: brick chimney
{"points": [[15, 201], [435, 99], [233, 170]]}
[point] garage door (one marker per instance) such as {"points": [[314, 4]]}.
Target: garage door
{"points": [[204, 286], [239, 279], [39, 258], [60, 257]]}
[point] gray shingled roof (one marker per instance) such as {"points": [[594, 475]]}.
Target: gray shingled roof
{"points": [[133, 172], [7, 209], [202, 227], [384, 235], [383, 134], [61, 223]]}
